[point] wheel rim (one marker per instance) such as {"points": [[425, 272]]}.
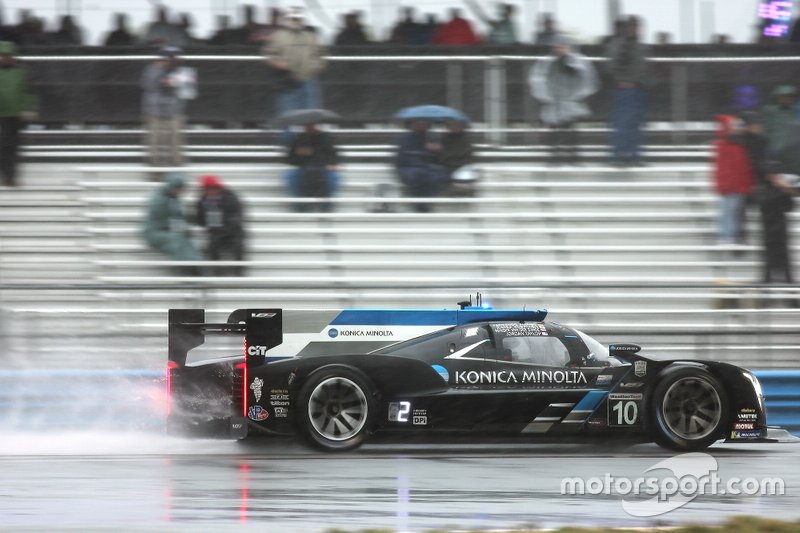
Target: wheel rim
{"points": [[337, 409], [691, 408]]}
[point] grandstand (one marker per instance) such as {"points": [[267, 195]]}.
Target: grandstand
{"points": [[625, 254]]}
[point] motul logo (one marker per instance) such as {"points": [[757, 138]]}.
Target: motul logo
{"points": [[257, 350]]}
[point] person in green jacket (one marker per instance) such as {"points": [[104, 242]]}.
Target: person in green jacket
{"points": [[16, 104], [165, 228], [780, 118]]}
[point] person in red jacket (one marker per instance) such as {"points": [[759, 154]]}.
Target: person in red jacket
{"points": [[734, 177], [457, 31]]}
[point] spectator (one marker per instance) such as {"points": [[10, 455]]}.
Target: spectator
{"points": [[775, 196], [627, 63], [184, 26], [408, 31], [456, 157], [663, 38], [780, 117], [166, 88], [734, 178], [165, 228], [501, 30], [417, 164], [264, 33], [162, 32], [120, 36], [455, 32], [220, 212], [16, 105], [562, 83], [295, 52], [547, 35], [245, 34], [224, 34], [316, 159], [429, 28], [68, 33], [31, 32], [353, 32]]}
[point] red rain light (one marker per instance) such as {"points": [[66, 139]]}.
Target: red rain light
{"points": [[171, 365], [243, 367]]}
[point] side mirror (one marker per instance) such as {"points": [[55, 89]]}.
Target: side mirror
{"points": [[623, 349]]}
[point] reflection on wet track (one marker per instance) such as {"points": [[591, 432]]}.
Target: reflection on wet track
{"points": [[149, 481]]}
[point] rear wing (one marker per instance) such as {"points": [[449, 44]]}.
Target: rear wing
{"points": [[262, 330]]}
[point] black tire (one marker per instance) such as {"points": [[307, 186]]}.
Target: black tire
{"points": [[690, 409], [336, 408]]}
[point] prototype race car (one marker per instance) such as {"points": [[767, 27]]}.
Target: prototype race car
{"points": [[336, 377]]}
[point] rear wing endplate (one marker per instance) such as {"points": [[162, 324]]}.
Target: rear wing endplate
{"points": [[262, 330]]}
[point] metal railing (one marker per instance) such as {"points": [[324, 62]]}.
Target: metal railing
{"points": [[368, 88]]}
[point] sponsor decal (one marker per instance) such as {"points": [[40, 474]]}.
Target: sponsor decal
{"points": [[744, 426], [291, 378], [442, 371], [603, 379], [597, 422], [281, 412], [625, 396], [257, 413], [747, 415], [257, 350], [279, 397], [419, 417], [747, 410], [505, 377], [640, 368], [746, 435], [256, 386], [237, 425], [359, 332], [262, 315], [520, 329], [631, 385]]}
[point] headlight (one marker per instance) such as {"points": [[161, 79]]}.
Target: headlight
{"points": [[754, 381]]}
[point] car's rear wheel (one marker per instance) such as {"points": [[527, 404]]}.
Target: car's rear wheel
{"points": [[337, 407], [690, 409]]}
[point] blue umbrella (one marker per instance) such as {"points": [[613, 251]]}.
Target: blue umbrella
{"points": [[431, 112]]}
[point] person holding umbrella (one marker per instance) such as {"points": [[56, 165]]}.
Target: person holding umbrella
{"points": [[314, 156], [419, 159]]}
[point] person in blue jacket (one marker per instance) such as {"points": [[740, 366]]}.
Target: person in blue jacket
{"points": [[417, 163]]}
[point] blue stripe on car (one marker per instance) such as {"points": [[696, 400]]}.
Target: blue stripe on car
{"points": [[418, 317], [591, 400]]}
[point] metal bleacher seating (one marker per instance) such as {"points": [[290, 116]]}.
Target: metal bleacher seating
{"points": [[626, 254]]}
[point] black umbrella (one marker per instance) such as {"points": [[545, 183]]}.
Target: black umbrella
{"points": [[301, 117]]}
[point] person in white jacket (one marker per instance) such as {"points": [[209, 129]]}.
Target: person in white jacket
{"points": [[561, 83]]}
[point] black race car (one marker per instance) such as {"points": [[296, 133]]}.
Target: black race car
{"points": [[338, 376]]}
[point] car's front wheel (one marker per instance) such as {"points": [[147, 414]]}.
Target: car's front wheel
{"points": [[690, 409], [337, 407]]}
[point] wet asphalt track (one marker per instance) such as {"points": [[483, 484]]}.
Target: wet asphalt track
{"points": [[147, 481]]}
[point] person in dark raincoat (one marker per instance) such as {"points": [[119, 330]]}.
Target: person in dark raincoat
{"points": [[780, 117], [316, 162], [165, 228], [220, 212], [417, 163], [775, 194]]}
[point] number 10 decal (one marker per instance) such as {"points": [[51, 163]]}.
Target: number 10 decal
{"points": [[623, 409]]}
